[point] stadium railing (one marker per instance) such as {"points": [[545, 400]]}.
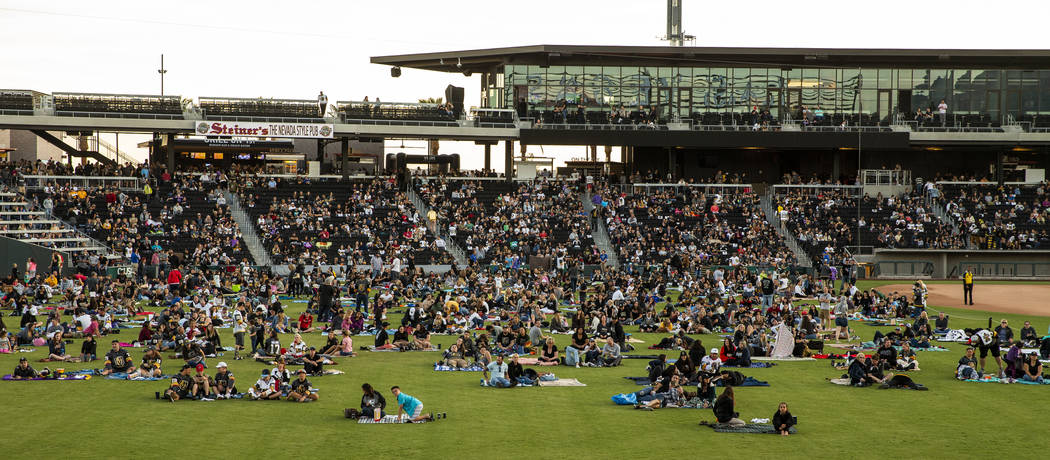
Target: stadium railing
{"points": [[259, 109], [118, 106], [34, 181], [393, 113]]}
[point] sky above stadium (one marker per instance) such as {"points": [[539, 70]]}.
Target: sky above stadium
{"points": [[294, 49]]}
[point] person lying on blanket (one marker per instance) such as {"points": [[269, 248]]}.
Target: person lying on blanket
{"points": [[181, 385], [300, 389], [24, 371], [150, 367], [455, 357], [117, 360], [660, 395], [225, 382]]}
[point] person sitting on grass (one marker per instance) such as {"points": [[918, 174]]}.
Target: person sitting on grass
{"points": [[1029, 337], [263, 388], [549, 352], [202, 385], [866, 372], [906, 358], [940, 324], [88, 349], [150, 367], [887, 353], [967, 369], [724, 406], [373, 404], [181, 385], [783, 420], [297, 348], [57, 350], [225, 382], [610, 353], [1033, 369], [711, 363], [1014, 367], [300, 389], [410, 406], [313, 363], [517, 374], [401, 339], [421, 339], [117, 360], [498, 370], [24, 371]]}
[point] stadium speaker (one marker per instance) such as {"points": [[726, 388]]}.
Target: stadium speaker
{"points": [[395, 71], [454, 94], [467, 73]]}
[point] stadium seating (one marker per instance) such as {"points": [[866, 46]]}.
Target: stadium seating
{"points": [[502, 223], [336, 222], [994, 217], [392, 111], [68, 104], [228, 108], [16, 100]]}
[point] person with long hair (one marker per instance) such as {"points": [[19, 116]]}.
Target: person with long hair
{"points": [[782, 419], [724, 406], [373, 404]]}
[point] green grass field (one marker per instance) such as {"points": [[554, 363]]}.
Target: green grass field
{"points": [[107, 418]]}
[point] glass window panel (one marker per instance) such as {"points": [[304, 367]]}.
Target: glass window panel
{"points": [[684, 77], [885, 78], [869, 78], [573, 75], [1044, 92], [611, 76], [868, 101], [904, 79], [701, 77], [920, 100], [537, 76], [849, 79], [556, 75], [592, 76], [700, 98], [717, 77], [828, 98]]}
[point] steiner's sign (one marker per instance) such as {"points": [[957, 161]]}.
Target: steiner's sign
{"points": [[254, 129]]}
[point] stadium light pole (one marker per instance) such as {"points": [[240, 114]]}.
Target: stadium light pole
{"points": [[161, 71]]}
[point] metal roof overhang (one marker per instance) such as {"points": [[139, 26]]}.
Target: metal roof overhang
{"points": [[482, 60]]}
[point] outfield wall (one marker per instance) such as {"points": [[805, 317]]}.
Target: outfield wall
{"points": [[951, 263]]}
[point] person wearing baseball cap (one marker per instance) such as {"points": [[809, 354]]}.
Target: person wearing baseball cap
{"points": [[24, 371], [711, 363], [300, 391], [181, 384], [263, 388], [225, 383]]}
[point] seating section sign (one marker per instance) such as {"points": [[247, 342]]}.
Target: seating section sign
{"points": [[256, 129]]}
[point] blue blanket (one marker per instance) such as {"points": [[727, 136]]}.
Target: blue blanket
{"points": [[471, 368]]}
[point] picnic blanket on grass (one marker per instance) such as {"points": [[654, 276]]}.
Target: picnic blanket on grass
{"points": [[385, 419], [472, 368], [124, 376], [991, 379], [750, 428], [11, 378], [789, 358], [562, 383], [753, 365], [748, 382], [373, 348], [534, 362]]}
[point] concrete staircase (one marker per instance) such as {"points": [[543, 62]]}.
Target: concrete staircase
{"points": [[600, 233], [20, 220], [247, 226], [457, 252], [766, 202], [943, 215]]}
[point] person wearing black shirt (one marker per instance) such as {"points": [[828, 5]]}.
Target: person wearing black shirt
{"points": [[382, 337], [782, 419], [225, 383], [181, 385], [117, 360], [371, 401], [422, 339], [1028, 335], [724, 408], [887, 353], [312, 362], [300, 391], [24, 370], [88, 349]]}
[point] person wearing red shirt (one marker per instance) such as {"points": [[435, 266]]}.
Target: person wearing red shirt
{"points": [[306, 322], [174, 280]]}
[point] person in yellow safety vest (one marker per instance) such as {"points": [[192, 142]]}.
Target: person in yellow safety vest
{"points": [[148, 190], [968, 287]]}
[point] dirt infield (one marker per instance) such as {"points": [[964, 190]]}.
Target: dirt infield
{"points": [[1023, 299]]}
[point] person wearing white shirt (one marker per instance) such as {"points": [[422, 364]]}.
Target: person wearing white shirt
{"points": [[322, 104], [711, 363]]}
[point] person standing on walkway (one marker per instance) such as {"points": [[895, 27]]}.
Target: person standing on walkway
{"points": [[968, 287], [322, 104]]}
